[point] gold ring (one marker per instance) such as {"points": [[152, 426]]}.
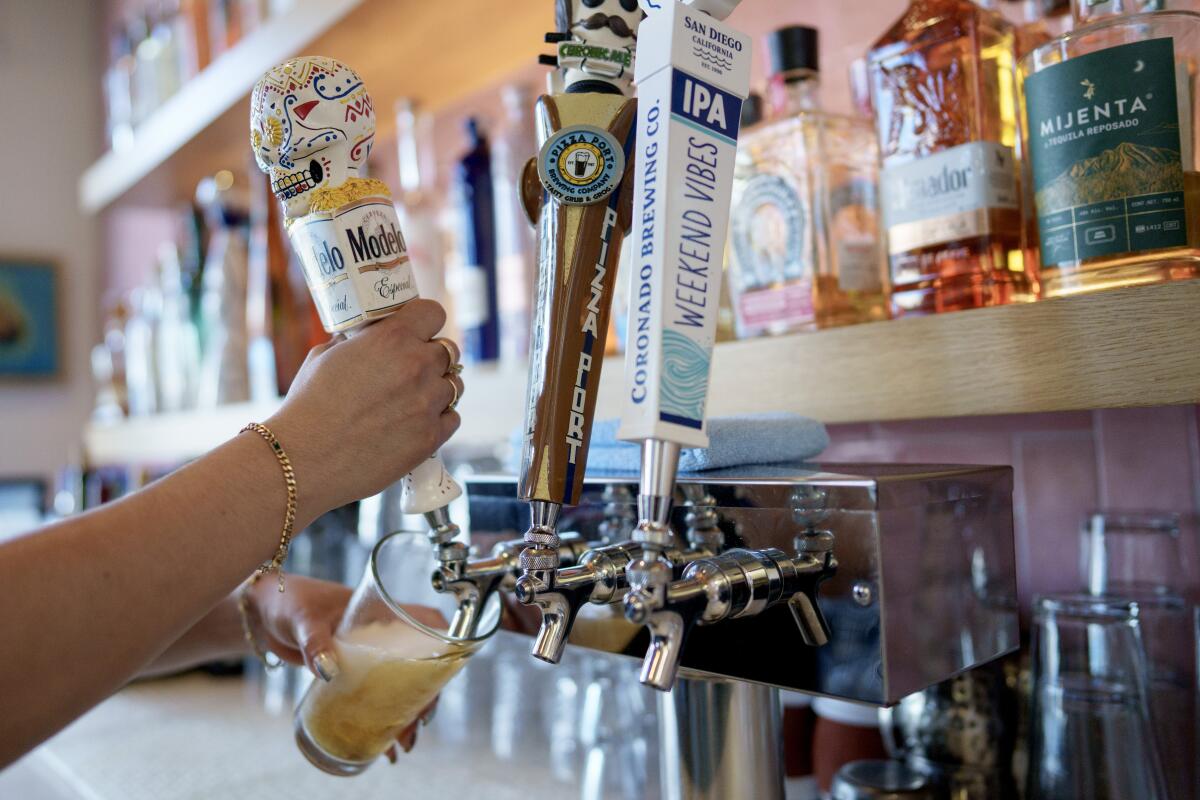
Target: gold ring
{"points": [[455, 369], [454, 386], [451, 350]]}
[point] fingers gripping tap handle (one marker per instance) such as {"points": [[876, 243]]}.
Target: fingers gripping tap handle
{"points": [[312, 125]]}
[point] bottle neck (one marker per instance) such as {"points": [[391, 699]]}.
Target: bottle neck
{"points": [[1092, 10], [795, 91]]}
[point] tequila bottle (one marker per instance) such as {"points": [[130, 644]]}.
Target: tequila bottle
{"points": [[804, 238], [1110, 123], [943, 88]]}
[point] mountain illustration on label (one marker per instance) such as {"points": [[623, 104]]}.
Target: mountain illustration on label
{"points": [[1125, 170]]}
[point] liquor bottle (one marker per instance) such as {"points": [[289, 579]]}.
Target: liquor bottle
{"points": [[1110, 122], [118, 92], [475, 300], [515, 258], [225, 345], [943, 88], [1041, 21], [804, 241], [177, 340]]}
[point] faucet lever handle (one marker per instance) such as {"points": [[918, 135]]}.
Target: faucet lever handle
{"points": [[668, 630], [814, 564], [814, 628]]}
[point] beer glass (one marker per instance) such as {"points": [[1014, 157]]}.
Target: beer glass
{"points": [[1144, 556], [1090, 726], [394, 653]]}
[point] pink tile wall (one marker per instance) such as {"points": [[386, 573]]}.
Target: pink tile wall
{"points": [[1065, 464]]}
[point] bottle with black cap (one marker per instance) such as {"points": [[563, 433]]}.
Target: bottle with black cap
{"points": [[804, 236], [795, 71]]}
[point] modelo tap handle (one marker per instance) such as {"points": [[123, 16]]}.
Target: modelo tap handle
{"points": [[737, 583], [312, 124]]}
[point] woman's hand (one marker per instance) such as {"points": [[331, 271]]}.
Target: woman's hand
{"points": [[363, 411], [298, 625]]}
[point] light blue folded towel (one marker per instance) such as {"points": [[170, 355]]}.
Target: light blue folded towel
{"points": [[768, 438]]}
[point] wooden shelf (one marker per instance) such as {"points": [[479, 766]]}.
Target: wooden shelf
{"points": [[1128, 347], [434, 53]]}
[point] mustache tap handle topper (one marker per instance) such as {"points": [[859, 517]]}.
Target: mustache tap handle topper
{"points": [[693, 71], [578, 191], [312, 125]]}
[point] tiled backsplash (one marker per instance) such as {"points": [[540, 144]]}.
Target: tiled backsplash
{"points": [[1065, 464]]}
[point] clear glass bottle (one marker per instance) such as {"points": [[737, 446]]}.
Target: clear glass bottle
{"points": [[804, 243], [943, 88], [118, 92], [1110, 122]]}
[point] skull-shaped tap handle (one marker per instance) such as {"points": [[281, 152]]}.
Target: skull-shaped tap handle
{"points": [[312, 125], [578, 190]]}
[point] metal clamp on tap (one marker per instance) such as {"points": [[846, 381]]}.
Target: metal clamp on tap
{"points": [[473, 581], [602, 575], [737, 583]]}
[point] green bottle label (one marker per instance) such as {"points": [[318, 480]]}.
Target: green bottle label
{"points": [[1105, 149]]}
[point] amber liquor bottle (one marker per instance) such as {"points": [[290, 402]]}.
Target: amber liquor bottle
{"points": [[943, 87]]}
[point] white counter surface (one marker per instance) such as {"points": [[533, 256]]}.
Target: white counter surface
{"points": [[197, 737]]}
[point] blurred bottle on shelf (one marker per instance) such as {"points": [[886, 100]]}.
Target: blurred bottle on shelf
{"points": [[418, 203], [107, 407], [281, 320], [177, 343], [144, 81], [516, 261], [224, 26], [224, 368], [108, 368], [118, 92], [473, 282], [804, 235], [944, 93], [141, 363]]}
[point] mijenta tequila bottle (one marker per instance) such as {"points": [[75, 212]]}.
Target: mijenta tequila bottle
{"points": [[1110, 123]]}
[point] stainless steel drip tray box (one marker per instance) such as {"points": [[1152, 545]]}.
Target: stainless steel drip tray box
{"points": [[926, 584]]}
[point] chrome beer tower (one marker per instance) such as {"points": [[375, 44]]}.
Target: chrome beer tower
{"points": [[774, 575]]}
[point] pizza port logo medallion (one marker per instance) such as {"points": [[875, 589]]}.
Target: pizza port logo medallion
{"points": [[581, 165]]}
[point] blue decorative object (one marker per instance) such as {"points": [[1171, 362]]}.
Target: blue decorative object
{"points": [[28, 320]]}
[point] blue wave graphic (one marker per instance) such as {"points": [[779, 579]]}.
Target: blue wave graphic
{"points": [[684, 378], [712, 58]]}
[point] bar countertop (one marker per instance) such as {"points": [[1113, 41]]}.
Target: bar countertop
{"points": [[507, 727]]}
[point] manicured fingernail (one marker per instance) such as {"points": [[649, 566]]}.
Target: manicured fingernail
{"points": [[428, 716], [326, 666], [391, 754], [411, 741]]}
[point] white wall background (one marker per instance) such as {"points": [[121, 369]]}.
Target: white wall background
{"points": [[50, 130]]}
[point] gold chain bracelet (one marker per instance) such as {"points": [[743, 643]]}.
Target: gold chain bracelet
{"points": [[243, 603], [289, 517]]}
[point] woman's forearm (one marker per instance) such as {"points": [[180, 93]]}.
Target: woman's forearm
{"points": [[92, 600], [218, 636], [89, 602]]}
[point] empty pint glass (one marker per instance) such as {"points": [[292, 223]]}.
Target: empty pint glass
{"points": [[395, 655]]}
